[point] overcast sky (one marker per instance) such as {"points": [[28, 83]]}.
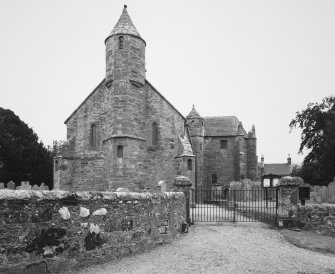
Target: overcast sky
{"points": [[258, 60]]}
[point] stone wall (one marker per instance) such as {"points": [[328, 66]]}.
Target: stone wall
{"points": [[318, 218], [45, 231], [219, 161], [84, 167]]}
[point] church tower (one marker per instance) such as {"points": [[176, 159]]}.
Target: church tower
{"points": [[195, 126], [125, 80]]}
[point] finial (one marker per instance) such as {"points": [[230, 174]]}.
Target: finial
{"points": [[125, 6]]}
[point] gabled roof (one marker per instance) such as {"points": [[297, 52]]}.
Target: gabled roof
{"points": [[277, 169], [101, 84], [125, 25], [98, 86], [149, 84], [222, 126]]}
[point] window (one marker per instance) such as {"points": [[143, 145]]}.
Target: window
{"points": [[266, 182], [189, 164], [223, 144], [121, 39], [56, 165], [93, 139], [154, 134], [120, 152], [214, 179], [275, 181]]}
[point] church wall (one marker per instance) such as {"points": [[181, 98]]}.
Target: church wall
{"points": [[84, 170], [160, 162], [252, 159], [218, 161]]}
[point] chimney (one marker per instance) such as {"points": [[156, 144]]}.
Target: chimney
{"points": [[289, 160], [262, 160]]}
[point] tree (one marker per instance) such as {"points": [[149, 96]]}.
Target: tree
{"points": [[22, 156], [317, 122]]}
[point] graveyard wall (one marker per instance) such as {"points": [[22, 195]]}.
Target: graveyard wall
{"points": [[51, 231]]}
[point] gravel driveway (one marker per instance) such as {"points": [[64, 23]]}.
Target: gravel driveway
{"points": [[246, 248]]}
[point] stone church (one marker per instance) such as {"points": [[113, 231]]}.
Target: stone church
{"points": [[127, 134]]}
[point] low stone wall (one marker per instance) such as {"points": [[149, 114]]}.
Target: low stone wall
{"points": [[46, 231], [318, 218]]}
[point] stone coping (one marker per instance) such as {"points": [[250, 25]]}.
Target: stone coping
{"points": [[290, 181], [318, 206], [84, 195]]}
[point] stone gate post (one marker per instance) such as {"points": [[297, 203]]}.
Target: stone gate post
{"points": [[184, 184], [288, 200]]}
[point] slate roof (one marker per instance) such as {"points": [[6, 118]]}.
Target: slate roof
{"points": [[193, 114], [223, 126], [277, 169], [125, 25]]}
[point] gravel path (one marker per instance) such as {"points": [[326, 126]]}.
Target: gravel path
{"points": [[246, 248]]}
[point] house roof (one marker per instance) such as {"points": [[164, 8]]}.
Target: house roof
{"points": [[223, 126], [125, 25], [277, 169]]}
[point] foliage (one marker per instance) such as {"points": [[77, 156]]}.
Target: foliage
{"points": [[23, 157], [317, 122]]}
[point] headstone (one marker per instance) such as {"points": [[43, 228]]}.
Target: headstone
{"points": [[161, 186], [25, 185], [35, 187], [11, 185], [122, 189], [44, 187], [2, 185]]}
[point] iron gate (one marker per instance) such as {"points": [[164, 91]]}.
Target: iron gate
{"points": [[215, 204]]}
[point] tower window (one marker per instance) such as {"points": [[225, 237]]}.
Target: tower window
{"points": [[189, 164], [121, 39], [223, 144], [93, 139], [154, 134], [214, 179], [120, 152]]}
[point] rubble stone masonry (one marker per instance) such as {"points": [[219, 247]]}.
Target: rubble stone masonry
{"points": [[51, 231]]}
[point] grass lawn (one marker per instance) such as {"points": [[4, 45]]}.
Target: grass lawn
{"points": [[310, 240]]}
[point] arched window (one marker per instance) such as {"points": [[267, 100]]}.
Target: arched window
{"points": [[154, 134], [189, 164], [214, 179], [93, 140], [121, 39], [120, 152]]}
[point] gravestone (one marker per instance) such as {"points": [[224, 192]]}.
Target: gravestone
{"points": [[161, 186], [11, 185], [122, 189], [2, 185], [25, 185], [44, 187], [35, 187]]}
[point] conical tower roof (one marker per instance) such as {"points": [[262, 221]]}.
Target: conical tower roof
{"points": [[193, 114], [125, 25]]}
